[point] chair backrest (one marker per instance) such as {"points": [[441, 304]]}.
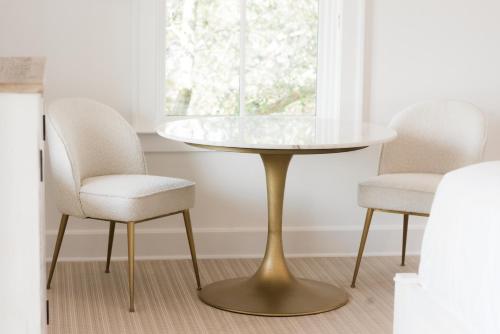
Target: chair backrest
{"points": [[460, 261], [435, 137], [86, 139]]}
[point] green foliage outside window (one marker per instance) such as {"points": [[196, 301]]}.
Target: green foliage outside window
{"points": [[204, 51]]}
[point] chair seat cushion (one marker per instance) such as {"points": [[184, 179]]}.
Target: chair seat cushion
{"points": [[130, 198], [408, 192]]}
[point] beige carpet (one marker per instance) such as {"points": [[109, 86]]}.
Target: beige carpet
{"points": [[85, 300]]}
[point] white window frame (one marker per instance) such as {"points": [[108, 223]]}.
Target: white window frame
{"points": [[340, 83]]}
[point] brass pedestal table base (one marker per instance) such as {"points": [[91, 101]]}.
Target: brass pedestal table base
{"points": [[272, 290], [252, 296]]}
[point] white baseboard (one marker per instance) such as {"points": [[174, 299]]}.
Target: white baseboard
{"points": [[171, 243]]}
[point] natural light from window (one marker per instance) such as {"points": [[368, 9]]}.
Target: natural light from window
{"points": [[248, 57]]}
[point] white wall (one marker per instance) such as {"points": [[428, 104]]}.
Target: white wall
{"points": [[420, 50], [416, 50]]}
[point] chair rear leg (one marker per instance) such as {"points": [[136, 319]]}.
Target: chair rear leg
{"points": [[189, 232], [405, 234], [110, 244], [364, 236], [57, 248]]}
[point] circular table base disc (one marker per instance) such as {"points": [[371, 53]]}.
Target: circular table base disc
{"points": [[291, 298]]}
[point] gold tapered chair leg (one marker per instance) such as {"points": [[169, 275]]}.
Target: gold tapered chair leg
{"points": [[57, 248], [368, 220], [110, 244], [405, 234], [131, 262], [189, 232]]}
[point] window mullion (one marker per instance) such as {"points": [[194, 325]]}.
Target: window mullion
{"points": [[243, 33], [329, 61]]}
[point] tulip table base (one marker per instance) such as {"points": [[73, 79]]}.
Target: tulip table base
{"points": [[258, 297], [273, 290]]}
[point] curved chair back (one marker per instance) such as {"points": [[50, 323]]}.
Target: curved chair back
{"points": [[460, 252], [435, 137], [86, 139]]}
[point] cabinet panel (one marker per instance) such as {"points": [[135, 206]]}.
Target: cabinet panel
{"points": [[21, 215]]}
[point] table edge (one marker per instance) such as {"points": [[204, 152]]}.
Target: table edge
{"points": [[276, 151]]}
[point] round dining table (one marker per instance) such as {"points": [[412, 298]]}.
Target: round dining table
{"points": [[272, 290]]}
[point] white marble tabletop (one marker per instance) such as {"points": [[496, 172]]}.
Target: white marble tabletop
{"points": [[275, 132]]}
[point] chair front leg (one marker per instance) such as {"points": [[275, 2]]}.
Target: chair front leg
{"points": [[364, 236], [110, 244], [131, 263], [405, 234], [189, 232], [57, 248]]}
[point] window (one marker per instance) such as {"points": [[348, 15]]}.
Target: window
{"points": [[247, 57]]}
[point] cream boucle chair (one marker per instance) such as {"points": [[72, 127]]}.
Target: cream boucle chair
{"points": [[100, 173], [433, 139]]}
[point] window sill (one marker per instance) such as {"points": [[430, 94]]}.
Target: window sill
{"points": [[154, 143]]}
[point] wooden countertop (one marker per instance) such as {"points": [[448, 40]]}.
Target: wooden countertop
{"points": [[21, 75]]}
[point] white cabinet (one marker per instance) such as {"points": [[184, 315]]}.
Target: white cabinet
{"points": [[22, 265]]}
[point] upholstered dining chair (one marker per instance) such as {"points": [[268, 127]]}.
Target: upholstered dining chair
{"points": [[100, 173], [433, 139]]}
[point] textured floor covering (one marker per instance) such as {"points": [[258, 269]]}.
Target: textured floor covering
{"points": [[85, 300]]}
